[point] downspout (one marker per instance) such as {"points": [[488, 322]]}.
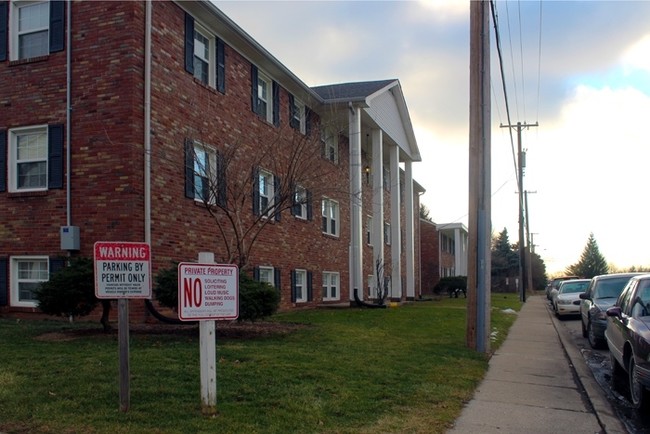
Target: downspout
{"points": [[68, 116], [147, 123]]}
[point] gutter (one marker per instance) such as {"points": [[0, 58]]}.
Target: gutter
{"points": [[147, 123]]}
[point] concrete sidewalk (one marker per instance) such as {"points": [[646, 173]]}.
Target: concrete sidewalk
{"points": [[537, 382]]}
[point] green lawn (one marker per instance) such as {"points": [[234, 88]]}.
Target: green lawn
{"points": [[404, 369]]}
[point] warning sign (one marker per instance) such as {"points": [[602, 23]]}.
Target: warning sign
{"points": [[208, 291], [122, 270]]}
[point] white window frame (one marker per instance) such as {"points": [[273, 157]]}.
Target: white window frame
{"points": [[200, 172], [264, 82], [387, 233], [210, 60], [386, 178], [300, 200], [266, 179], [14, 162], [330, 212], [330, 144], [16, 279], [15, 35], [299, 115], [267, 274], [331, 283], [300, 285]]}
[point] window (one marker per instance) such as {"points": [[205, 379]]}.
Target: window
{"points": [[301, 203], [266, 275], [202, 50], [265, 96], [204, 55], [330, 145], [369, 230], [266, 193], [301, 286], [330, 211], [36, 28], [36, 158], [27, 273], [204, 177], [330, 286], [387, 233], [297, 115], [386, 178]]}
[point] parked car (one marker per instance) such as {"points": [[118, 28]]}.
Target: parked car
{"points": [[628, 338], [601, 295], [566, 300], [553, 285]]}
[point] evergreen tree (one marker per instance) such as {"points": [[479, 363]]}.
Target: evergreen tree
{"points": [[592, 262], [505, 260]]}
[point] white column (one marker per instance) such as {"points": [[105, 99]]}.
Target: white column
{"points": [[396, 274], [410, 223], [377, 202], [356, 234]]}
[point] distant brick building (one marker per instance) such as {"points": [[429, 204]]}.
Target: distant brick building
{"points": [[443, 252], [117, 116]]}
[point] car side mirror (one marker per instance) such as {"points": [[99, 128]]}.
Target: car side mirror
{"points": [[584, 296], [614, 311]]}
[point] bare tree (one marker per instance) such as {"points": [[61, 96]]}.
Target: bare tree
{"points": [[245, 192], [382, 282]]}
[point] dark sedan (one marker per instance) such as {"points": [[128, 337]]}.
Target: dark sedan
{"points": [[601, 295], [628, 338]]}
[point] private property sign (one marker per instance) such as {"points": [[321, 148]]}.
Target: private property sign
{"points": [[208, 291], [122, 269]]}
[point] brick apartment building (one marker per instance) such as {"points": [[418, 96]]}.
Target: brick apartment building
{"points": [[443, 252], [156, 121]]}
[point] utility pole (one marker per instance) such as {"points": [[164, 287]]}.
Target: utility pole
{"points": [[520, 184], [529, 264], [479, 260]]}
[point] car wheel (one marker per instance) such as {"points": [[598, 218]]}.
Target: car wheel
{"points": [[637, 391], [596, 343], [584, 329]]}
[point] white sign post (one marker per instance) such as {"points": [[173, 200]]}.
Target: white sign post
{"points": [[122, 271], [208, 292]]}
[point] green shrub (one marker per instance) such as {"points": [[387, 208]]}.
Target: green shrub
{"points": [[450, 284], [70, 291], [257, 300]]}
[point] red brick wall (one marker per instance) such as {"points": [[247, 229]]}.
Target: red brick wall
{"points": [[107, 182], [430, 261]]}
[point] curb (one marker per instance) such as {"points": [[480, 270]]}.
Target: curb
{"points": [[604, 411]]}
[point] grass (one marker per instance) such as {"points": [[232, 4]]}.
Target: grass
{"points": [[403, 370]]}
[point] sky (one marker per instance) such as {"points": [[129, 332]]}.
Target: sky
{"points": [[580, 70]]}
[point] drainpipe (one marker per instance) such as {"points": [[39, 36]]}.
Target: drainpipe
{"points": [[68, 116], [147, 123]]}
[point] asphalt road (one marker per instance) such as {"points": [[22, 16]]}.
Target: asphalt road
{"points": [[616, 394]]}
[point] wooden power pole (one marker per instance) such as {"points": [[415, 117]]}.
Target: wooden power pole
{"points": [[479, 221]]}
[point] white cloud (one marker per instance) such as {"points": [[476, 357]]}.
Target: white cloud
{"points": [[638, 55]]}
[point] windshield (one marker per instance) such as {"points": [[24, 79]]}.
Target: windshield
{"points": [[610, 288], [570, 288]]}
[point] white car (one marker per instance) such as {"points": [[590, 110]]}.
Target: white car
{"points": [[567, 299]]}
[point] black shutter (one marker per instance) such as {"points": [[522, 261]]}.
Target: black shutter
{"points": [[277, 280], [221, 66], [4, 27], [277, 197], [55, 156], [3, 160], [256, 191], [292, 112], [308, 120], [57, 26], [189, 43], [56, 264], [254, 100], [256, 274], [221, 181], [276, 104], [310, 211], [189, 169], [293, 286], [4, 282], [310, 287]]}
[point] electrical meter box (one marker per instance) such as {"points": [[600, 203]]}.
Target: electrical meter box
{"points": [[69, 237]]}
